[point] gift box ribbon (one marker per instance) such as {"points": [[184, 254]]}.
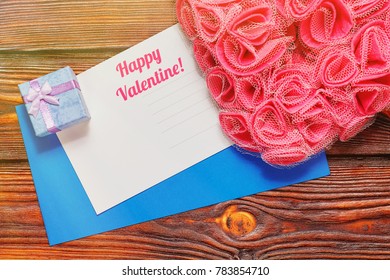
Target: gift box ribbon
{"points": [[41, 96]]}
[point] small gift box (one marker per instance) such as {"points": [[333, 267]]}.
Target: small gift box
{"points": [[54, 102]]}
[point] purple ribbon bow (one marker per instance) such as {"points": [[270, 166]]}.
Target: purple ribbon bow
{"points": [[36, 94], [41, 96]]}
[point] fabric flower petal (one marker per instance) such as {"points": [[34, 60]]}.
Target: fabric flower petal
{"points": [[329, 22], [271, 128], [366, 9], [299, 9], [235, 126], [336, 67], [208, 21], [370, 47], [186, 18], [251, 92], [371, 100], [221, 87], [254, 25], [292, 88], [244, 59], [285, 156], [203, 55], [354, 126]]}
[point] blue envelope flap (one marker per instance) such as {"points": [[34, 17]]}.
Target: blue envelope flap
{"points": [[69, 215]]}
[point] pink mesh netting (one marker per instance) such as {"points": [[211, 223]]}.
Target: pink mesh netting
{"points": [[291, 77]]}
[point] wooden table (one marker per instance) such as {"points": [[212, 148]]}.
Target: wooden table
{"points": [[346, 215]]}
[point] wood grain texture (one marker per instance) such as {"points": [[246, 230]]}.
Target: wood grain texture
{"points": [[31, 25], [373, 141], [345, 215]]}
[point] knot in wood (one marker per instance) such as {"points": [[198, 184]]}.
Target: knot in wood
{"points": [[236, 222]]}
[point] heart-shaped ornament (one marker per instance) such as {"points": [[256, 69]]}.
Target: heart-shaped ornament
{"points": [[291, 77]]}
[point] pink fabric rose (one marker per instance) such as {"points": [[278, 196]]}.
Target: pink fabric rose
{"points": [[254, 25], [186, 18], [292, 88], [387, 20], [235, 126], [354, 126], [271, 128], [250, 44], [371, 100], [318, 133], [209, 24], [221, 87], [203, 55], [297, 9], [371, 48], [339, 103], [316, 125], [347, 118], [336, 67], [331, 21], [244, 59], [251, 92]]}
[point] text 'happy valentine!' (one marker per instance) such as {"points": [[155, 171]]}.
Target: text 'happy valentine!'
{"points": [[142, 64]]}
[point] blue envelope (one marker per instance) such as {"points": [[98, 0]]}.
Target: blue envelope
{"points": [[68, 214]]}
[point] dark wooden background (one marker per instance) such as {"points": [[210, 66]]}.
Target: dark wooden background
{"points": [[346, 215]]}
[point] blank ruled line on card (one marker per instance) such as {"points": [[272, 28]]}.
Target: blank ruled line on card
{"points": [[190, 96], [167, 84], [183, 110], [177, 93], [193, 136], [178, 90], [187, 119]]}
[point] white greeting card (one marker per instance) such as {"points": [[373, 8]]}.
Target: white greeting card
{"points": [[152, 118]]}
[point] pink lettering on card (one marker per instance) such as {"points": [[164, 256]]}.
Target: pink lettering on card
{"points": [[126, 68], [141, 65]]}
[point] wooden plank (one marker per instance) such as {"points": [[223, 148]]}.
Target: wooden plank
{"points": [[346, 215], [31, 25], [374, 141], [19, 67], [11, 142]]}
